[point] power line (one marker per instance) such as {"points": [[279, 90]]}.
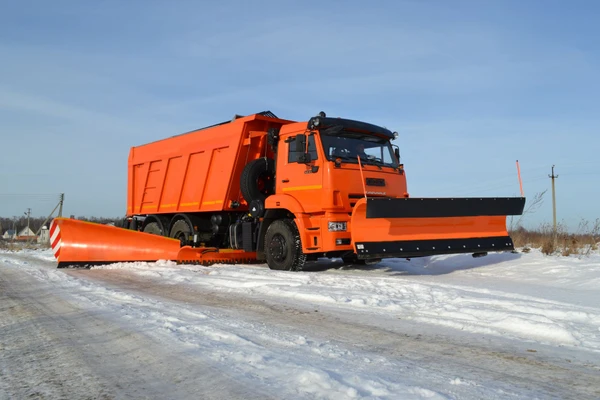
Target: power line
{"points": [[472, 189], [29, 194]]}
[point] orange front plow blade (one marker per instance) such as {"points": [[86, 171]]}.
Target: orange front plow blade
{"points": [[414, 227], [81, 243]]}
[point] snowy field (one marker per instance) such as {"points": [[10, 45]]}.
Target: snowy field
{"points": [[505, 326]]}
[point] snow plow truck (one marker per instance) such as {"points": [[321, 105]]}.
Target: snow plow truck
{"points": [[259, 188]]}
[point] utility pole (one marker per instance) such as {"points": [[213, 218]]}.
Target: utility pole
{"points": [[28, 213], [59, 206], [60, 202], [553, 177]]}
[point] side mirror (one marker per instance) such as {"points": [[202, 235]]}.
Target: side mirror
{"points": [[300, 143], [397, 152], [304, 158]]}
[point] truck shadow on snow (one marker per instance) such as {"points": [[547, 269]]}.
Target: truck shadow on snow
{"points": [[432, 265]]}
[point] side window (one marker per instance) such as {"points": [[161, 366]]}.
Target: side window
{"points": [[293, 155], [374, 152], [387, 157]]}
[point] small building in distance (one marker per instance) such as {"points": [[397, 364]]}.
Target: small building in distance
{"points": [[44, 236], [26, 233], [9, 234]]}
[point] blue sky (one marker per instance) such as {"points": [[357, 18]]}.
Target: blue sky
{"points": [[471, 86]]}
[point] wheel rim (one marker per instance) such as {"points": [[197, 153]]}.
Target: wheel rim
{"points": [[277, 248], [152, 229], [181, 230]]}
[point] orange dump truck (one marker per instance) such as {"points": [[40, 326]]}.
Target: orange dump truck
{"points": [[263, 188]]}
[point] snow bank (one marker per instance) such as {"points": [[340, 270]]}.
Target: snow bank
{"points": [[399, 289]]}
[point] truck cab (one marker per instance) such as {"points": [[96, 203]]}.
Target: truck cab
{"points": [[323, 168]]}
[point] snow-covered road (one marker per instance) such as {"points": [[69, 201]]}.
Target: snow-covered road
{"points": [[503, 326]]}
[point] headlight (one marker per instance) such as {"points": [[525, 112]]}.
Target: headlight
{"points": [[316, 122], [336, 226]]}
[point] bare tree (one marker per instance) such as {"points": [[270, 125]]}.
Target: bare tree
{"points": [[532, 207]]}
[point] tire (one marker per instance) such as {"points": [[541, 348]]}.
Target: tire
{"points": [[258, 180], [283, 248], [181, 230], [153, 228]]}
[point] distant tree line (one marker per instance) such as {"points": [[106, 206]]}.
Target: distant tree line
{"points": [[35, 223]]}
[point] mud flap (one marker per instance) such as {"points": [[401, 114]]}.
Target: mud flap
{"points": [[415, 227], [80, 243]]}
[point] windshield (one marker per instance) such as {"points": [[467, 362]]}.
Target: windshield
{"points": [[347, 146]]}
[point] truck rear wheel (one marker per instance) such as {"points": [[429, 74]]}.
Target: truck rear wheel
{"points": [[283, 248], [181, 230], [258, 179], [153, 228]]}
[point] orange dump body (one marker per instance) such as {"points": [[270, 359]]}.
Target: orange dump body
{"points": [[198, 171]]}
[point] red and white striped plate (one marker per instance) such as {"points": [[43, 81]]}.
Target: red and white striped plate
{"points": [[55, 239]]}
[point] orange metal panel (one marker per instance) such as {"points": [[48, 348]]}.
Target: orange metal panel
{"points": [[399, 229], [140, 172], [152, 187], [173, 177], [296, 179], [192, 188], [79, 242], [217, 180]]}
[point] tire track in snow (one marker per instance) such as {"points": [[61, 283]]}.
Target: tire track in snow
{"points": [[387, 348], [52, 347]]}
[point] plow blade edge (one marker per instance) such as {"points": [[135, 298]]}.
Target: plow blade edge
{"points": [[210, 255], [415, 227]]}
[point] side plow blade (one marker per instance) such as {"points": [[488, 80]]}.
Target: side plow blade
{"points": [[80, 243], [415, 227]]}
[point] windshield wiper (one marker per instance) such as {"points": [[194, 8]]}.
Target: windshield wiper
{"points": [[364, 161], [371, 161]]}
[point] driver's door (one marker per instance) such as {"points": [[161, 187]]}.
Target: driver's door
{"points": [[302, 181]]}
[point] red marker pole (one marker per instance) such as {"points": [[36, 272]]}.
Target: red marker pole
{"points": [[520, 181]]}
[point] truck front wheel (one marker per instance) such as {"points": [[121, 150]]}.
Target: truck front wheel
{"points": [[283, 248]]}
